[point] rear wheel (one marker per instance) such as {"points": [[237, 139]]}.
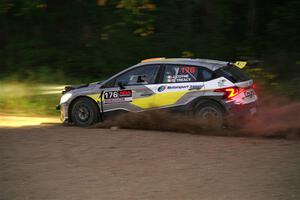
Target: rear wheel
{"points": [[210, 114], [85, 112]]}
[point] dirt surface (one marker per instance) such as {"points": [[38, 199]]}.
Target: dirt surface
{"points": [[21, 121], [57, 162]]}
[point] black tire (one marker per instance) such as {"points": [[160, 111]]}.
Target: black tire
{"points": [[210, 114], [85, 112]]}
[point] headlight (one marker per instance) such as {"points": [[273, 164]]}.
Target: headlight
{"points": [[65, 98]]}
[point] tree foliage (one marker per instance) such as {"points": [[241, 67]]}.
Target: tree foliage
{"points": [[50, 40]]}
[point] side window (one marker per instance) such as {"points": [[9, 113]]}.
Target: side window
{"points": [[139, 76], [109, 84], [207, 75], [180, 74]]}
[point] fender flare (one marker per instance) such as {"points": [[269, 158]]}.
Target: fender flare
{"points": [[200, 100], [78, 97]]}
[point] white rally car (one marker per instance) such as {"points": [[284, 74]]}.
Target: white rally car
{"points": [[206, 88]]}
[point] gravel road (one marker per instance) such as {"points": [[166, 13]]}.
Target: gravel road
{"points": [[56, 162]]}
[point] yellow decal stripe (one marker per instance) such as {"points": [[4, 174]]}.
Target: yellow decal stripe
{"points": [[158, 100], [96, 97]]}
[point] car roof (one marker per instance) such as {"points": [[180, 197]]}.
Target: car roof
{"points": [[207, 63]]}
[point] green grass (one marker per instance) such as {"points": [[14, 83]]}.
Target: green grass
{"points": [[29, 99], [41, 99]]}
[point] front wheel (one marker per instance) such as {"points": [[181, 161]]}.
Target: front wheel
{"points": [[85, 112], [210, 114]]}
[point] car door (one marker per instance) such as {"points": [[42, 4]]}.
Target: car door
{"points": [[132, 91], [179, 85]]}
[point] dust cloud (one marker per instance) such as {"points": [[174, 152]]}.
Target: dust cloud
{"points": [[278, 117], [161, 121]]}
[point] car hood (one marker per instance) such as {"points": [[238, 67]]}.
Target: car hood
{"points": [[82, 87]]}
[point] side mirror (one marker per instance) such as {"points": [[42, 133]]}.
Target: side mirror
{"points": [[121, 85]]}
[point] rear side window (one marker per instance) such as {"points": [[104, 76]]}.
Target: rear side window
{"points": [[180, 74], [207, 75], [232, 73]]}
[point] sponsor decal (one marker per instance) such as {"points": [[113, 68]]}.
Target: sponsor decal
{"points": [[117, 96], [196, 87], [179, 78], [181, 74], [178, 87], [221, 83], [125, 93], [249, 93], [161, 88]]}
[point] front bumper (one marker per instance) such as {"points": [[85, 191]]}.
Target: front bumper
{"points": [[64, 115]]}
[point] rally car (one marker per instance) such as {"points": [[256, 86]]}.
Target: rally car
{"points": [[205, 88]]}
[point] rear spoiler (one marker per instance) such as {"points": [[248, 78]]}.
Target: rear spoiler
{"points": [[240, 64]]}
